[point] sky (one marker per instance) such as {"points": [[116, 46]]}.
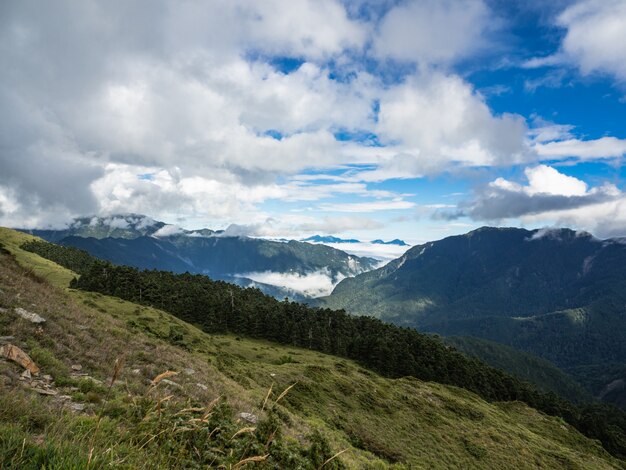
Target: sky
{"points": [[366, 119]]}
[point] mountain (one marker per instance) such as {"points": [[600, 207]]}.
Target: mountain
{"points": [[280, 268], [117, 226], [329, 239], [125, 385], [559, 294], [395, 241]]}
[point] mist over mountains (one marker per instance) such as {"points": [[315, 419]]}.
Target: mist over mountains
{"points": [[293, 269]]}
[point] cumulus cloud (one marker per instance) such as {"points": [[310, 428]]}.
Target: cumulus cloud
{"points": [[180, 111], [433, 31], [97, 84], [596, 36], [117, 222], [439, 119], [549, 194]]}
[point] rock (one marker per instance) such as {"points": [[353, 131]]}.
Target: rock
{"points": [[82, 327], [26, 375], [43, 391], [77, 406], [17, 355], [188, 371], [88, 377], [249, 417], [47, 378], [203, 387], [6, 339], [136, 371], [30, 316], [77, 367], [169, 382], [3, 310]]}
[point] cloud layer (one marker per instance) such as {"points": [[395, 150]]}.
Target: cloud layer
{"points": [[210, 112]]}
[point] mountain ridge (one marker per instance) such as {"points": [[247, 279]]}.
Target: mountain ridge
{"points": [[142, 242], [555, 293]]}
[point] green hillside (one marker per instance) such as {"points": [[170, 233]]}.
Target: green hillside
{"points": [[533, 369], [335, 404]]}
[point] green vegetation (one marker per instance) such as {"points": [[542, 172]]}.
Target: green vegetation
{"points": [[606, 381], [218, 307], [559, 294], [545, 375], [150, 434], [335, 405], [73, 259]]}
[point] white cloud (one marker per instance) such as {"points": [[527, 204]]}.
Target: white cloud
{"points": [[549, 198], [298, 226], [605, 147], [544, 179], [596, 36], [367, 206], [117, 222], [168, 231], [437, 119], [185, 93], [433, 31], [315, 284], [604, 219], [335, 225], [381, 252]]}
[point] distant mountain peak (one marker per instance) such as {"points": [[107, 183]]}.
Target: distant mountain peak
{"points": [[332, 239], [395, 241], [329, 239]]}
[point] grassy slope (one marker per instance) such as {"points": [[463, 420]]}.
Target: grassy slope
{"points": [[380, 421]]}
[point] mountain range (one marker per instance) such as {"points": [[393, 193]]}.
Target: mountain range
{"points": [[284, 269], [332, 239], [559, 294], [121, 382]]}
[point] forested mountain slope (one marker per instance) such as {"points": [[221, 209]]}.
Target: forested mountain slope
{"points": [[559, 294], [334, 405], [540, 372]]}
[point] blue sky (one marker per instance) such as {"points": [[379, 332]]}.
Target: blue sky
{"points": [[366, 119]]}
